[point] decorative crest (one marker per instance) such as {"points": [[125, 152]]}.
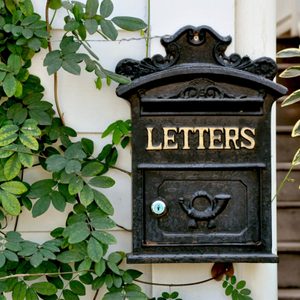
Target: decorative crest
{"points": [[196, 45]]}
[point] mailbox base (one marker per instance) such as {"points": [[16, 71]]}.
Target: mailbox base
{"points": [[196, 258]]}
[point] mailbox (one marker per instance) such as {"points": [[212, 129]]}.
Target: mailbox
{"points": [[201, 151]]}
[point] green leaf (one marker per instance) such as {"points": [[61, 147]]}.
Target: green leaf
{"points": [[228, 290], [75, 185], [41, 117], [77, 287], [136, 295], [102, 181], [92, 169], [92, 7], [41, 206], [75, 152], [296, 159], [14, 63], [103, 202], [104, 237], [106, 8], [241, 284], [109, 29], [100, 267], [91, 26], [85, 266], [30, 127], [114, 296], [44, 288], [56, 163], [291, 99], [117, 78], [58, 200], [31, 294], [19, 291], [102, 223], [129, 23], [11, 256], [68, 45], [296, 129], [291, 72], [26, 160], [41, 188], [36, 259], [71, 67], [71, 25], [69, 295], [94, 250], [116, 257], [78, 232], [8, 134], [14, 187], [29, 141], [10, 85], [73, 166], [55, 4], [114, 268], [26, 7], [245, 292], [87, 146], [2, 260], [12, 167], [233, 280], [86, 196], [289, 52], [69, 257], [30, 19], [34, 44]]}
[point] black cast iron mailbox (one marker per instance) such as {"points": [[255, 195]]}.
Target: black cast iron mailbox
{"points": [[201, 151]]}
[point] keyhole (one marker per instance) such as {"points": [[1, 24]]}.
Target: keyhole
{"points": [[158, 207]]}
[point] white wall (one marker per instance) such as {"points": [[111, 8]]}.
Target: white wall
{"points": [[251, 23]]}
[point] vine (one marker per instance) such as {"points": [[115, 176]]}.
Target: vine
{"points": [[32, 136]]}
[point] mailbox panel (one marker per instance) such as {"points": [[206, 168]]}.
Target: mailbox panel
{"points": [[201, 151], [203, 207]]}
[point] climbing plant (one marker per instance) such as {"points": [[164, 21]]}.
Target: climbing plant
{"points": [[31, 135], [294, 97]]}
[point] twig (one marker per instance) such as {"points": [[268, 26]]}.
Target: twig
{"points": [[121, 170]]}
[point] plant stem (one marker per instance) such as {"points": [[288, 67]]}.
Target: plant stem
{"points": [[148, 29], [55, 79], [41, 274], [121, 170], [96, 294], [282, 183]]}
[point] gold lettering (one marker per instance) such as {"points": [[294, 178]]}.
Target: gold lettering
{"points": [[169, 140], [150, 145], [201, 131], [214, 137], [234, 138], [247, 137], [186, 131]]}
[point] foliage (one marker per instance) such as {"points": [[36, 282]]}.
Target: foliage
{"points": [[168, 296], [236, 289], [83, 20], [294, 97], [30, 135]]}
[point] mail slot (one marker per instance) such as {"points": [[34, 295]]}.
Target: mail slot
{"points": [[201, 151]]}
